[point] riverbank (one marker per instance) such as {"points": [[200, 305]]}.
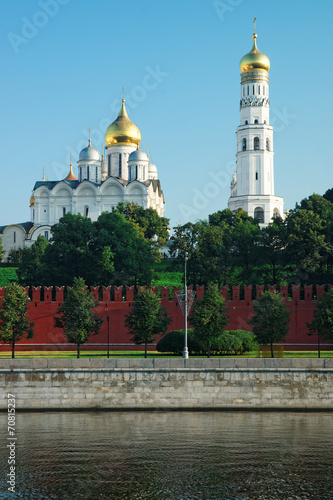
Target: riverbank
{"points": [[168, 384]]}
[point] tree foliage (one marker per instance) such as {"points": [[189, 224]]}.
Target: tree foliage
{"points": [[322, 322], [271, 319], [76, 315], [208, 317], [31, 266], [147, 319], [14, 321]]}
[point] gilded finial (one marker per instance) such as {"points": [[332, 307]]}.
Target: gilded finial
{"points": [[148, 150], [90, 137], [43, 174], [71, 164], [123, 94], [254, 28]]}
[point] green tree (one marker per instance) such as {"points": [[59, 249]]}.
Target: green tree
{"points": [[76, 315], [153, 227], [271, 319], [272, 243], [31, 268], [147, 319], [322, 322], [14, 321], [128, 253], [15, 255], [208, 316], [69, 254]]}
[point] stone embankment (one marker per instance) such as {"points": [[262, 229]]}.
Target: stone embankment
{"points": [[168, 384]]}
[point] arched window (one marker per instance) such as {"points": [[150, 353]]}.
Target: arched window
{"points": [[276, 212], [257, 177], [259, 214], [256, 143], [256, 121], [248, 90], [259, 89], [109, 165], [246, 122], [86, 211], [244, 145], [267, 144], [253, 89], [88, 172], [120, 165]]}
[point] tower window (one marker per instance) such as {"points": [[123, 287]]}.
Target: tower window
{"points": [[253, 89], [120, 165], [246, 122], [257, 176], [256, 122], [243, 91], [259, 215], [259, 89], [88, 172], [256, 143], [267, 144], [63, 211], [14, 235], [96, 174], [244, 145], [248, 90], [109, 165], [46, 235], [136, 171], [86, 211]]}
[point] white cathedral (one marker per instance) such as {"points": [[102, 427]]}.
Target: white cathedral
{"points": [[127, 175], [252, 187]]}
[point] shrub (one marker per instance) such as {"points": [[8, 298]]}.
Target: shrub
{"points": [[234, 342], [174, 342]]}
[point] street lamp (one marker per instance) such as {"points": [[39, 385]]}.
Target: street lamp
{"points": [[108, 320], [185, 351]]}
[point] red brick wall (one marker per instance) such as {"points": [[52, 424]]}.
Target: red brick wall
{"points": [[47, 337]]}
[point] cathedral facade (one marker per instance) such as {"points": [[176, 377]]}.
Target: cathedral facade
{"points": [[252, 187], [125, 175]]}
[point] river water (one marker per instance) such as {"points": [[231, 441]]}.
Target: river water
{"points": [[176, 455]]}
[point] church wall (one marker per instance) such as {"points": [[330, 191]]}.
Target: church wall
{"points": [[43, 307]]}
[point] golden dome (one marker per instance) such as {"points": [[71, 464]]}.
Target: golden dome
{"points": [[254, 60], [122, 130], [70, 176], [32, 201]]}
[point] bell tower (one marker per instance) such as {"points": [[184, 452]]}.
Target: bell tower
{"points": [[252, 187]]}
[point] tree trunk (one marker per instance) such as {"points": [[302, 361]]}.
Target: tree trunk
{"points": [[208, 349], [78, 351], [13, 348], [272, 351], [145, 349]]}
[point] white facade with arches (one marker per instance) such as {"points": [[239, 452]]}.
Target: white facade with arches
{"points": [[127, 175], [252, 187]]}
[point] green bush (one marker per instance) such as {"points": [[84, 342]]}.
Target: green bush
{"points": [[234, 342], [7, 276], [174, 342]]}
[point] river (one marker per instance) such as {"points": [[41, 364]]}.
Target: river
{"points": [[170, 455]]}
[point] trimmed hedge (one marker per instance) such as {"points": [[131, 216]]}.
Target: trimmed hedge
{"points": [[227, 343]]}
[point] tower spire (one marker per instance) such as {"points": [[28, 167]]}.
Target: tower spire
{"points": [[254, 25], [123, 94]]}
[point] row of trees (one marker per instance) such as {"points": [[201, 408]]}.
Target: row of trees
{"points": [[148, 318], [231, 248], [119, 248]]}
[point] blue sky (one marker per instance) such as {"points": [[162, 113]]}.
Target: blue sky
{"points": [[64, 63]]}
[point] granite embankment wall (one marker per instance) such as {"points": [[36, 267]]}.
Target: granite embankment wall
{"points": [[116, 302], [168, 384]]}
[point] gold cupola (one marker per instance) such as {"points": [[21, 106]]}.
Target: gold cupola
{"points": [[254, 60], [122, 131]]}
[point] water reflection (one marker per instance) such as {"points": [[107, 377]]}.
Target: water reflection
{"points": [[236, 455]]}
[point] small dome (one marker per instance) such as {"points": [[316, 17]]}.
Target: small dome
{"points": [[89, 154], [122, 130], [254, 60], [138, 155], [152, 168], [71, 176]]}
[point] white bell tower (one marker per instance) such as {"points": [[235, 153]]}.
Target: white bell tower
{"points": [[252, 187]]}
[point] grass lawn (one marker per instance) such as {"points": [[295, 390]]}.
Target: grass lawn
{"points": [[140, 354]]}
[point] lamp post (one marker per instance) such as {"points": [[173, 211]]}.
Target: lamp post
{"points": [[185, 351], [108, 320]]}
